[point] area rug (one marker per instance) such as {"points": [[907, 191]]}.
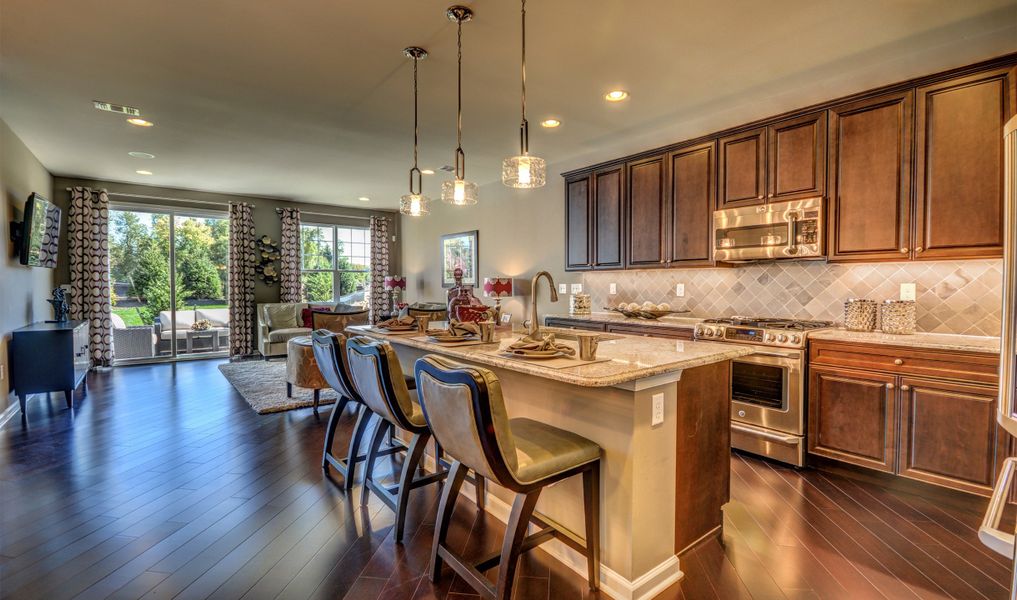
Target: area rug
{"points": [[263, 385]]}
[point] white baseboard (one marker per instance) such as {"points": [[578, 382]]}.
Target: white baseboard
{"points": [[644, 587]]}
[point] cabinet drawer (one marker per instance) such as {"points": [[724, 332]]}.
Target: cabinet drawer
{"points": [[574, 324], [650, 331], [962, 366]]}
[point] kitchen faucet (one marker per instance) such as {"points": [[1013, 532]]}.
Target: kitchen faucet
{"points": [[533, 330]]}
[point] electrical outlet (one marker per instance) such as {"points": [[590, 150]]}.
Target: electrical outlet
{"points": [[577, 288], [658, 410], [562, 288], [679, 290], [612, 289], [907, 291]]}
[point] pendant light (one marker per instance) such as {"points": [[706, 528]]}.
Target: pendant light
{"points": [[524, 171], [415, 204], [459, 192]]}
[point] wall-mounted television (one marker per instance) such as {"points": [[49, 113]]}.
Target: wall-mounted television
{"points": [[38, 236]]}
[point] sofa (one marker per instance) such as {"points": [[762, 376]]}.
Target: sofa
{"points": [[219, 318], [279, 322]]}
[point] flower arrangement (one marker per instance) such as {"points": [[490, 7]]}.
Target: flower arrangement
{"points": [[201, 325]]}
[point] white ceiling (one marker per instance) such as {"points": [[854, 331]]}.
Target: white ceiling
{"points": [[310, 99]]}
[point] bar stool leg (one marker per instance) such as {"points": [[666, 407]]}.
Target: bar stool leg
{"points": [[372, 456], [330, 429], [359, 431], [591, 500], [512, 547], [416, 451], [449, 495], [480, 487]]}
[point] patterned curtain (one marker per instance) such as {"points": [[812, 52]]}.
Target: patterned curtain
{"points": [[241, 278], [88, 247], [289, 268], [379, 300]]}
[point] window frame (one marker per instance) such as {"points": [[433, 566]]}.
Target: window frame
{"points": [[336, 272]]}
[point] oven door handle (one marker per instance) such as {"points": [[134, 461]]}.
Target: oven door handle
{"points": [[773, 354], [773, 437]]}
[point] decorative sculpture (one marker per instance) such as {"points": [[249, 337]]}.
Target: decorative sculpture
{"points": [[59, 303]]}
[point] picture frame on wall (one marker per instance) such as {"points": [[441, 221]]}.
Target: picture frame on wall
{"points": [[459, 250]]}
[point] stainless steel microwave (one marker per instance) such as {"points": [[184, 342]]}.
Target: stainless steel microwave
{"points": [[779, 230]]}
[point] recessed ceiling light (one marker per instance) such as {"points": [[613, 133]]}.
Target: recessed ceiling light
{"points": [[427, 171], [143, 172], [140, 155], [616, 95], [140, 122], [550, 123], [364, 199]]}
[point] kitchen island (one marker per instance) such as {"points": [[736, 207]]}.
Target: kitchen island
{"points": [[663, 484]]}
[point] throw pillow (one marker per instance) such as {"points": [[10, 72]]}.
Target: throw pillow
{"points": [[306, 314], [281, 316]]}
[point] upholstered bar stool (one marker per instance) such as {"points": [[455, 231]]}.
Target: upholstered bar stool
{"points": [[379, 379], [464, 407]]}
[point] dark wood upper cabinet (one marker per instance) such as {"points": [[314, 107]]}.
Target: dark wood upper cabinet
{"points": [[742, 171], [959, 165], [578, 253], [796, 158], [609, 218], [852, 417], [949, 434], [647, 213], [870, 179], [693, 198]]}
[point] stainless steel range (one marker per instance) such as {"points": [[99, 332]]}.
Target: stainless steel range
{"points": [[767, 386]]}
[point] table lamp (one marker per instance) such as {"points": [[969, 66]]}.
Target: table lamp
{"points": [[497, 288]]}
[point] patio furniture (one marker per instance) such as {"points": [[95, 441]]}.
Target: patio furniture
{"points": [[185, 319], [213, 335], [302, 369], [136, 341]]}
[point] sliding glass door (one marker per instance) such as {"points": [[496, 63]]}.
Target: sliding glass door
{"points": [[169, 290]]}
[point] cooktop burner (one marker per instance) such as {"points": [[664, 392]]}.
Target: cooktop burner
{"points": [[785, 324]]}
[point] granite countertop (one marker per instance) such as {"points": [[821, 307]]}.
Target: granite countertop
{"points": [[630, 357], [671, 321], [931, 341]]}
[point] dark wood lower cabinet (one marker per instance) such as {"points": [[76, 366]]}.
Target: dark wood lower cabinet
{"points": [[853, 417]]}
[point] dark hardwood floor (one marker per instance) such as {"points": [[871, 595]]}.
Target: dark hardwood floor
{"points": [[163, 483]]}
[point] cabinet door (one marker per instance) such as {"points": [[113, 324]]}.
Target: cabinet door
{"points": [[577, 224], [693, 198], [870, 179], [742, 172], [852, 417], [959, 165], [949, 434], [609, 218], [797, 157], [647, 208]]}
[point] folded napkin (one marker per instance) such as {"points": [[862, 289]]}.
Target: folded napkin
{"points": [[456, 329], [527, 345], [404, 321]]}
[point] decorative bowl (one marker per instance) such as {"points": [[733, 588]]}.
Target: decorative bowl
{"points": [[645, 314]]}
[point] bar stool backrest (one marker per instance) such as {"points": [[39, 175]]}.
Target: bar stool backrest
{"points": [[330, 354], [379, 379], [465, 410]]}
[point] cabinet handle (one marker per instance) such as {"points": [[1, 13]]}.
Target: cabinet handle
{"points": [[919, 249], [770, 196], [760, 197], [898, 361], [905, 388], [903, 250], [889, 386]]}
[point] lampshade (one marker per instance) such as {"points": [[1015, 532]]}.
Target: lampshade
{"points": [[459, 192], [497, 287], [524, 171], [395, 282], [414, 205]]}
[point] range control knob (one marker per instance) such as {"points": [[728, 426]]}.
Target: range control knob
{"points": [[770, 337], [782, 338], [707, 331], [796, 338]]}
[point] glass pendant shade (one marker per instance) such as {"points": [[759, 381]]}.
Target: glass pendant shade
{"points": [[459, 192], [414, 205], [524, 171]]}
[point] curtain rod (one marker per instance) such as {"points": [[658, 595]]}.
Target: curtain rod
{"points": [[318, 214], [166, 198]]}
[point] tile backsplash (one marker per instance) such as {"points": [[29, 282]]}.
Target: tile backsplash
{"points": [[953, 297]]}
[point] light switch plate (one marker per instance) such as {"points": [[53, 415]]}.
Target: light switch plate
{"points": [[658, 410], [907, 291], [679, 290], [577, 288], [612, 289], [562, 288]]}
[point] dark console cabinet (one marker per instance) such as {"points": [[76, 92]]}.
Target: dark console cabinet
{"points": [[49, 357]]}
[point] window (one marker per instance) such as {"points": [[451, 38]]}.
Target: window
{"points": [[335, 263]]}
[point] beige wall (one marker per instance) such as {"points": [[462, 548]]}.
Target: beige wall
{"points": [[520, 232], [23, 290]]}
